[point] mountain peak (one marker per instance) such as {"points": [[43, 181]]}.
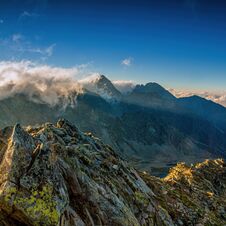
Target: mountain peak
{"points": [[101, 85], [153, 88], [91, 79], [103, 77], [94, 78], [151, 95]]}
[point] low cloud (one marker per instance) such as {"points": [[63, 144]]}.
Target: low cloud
{"points": [[41, 83], [127, 62], [52, 85], [217, 97], [124, 86]]}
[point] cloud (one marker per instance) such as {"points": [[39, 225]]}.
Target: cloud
{"points": [[124, 86], [217, 97], [90, 79], [17, 37], [41, 83], [26, 14], [49, 50], [1, 21], [127, 62], [19, 43], [52, 85], [46, 52]]}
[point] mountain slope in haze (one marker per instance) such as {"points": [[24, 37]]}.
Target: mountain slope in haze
{"points": [[153, 136], [208, 109], [151, 95], [56, 175]]}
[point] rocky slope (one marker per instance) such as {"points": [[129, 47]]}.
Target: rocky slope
{"points": [[152, 138], [56, 175], [102, 86], [148, 125]]}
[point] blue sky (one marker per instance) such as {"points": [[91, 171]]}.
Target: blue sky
{"points": [[178, 43]]}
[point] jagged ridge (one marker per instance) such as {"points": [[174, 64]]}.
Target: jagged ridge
{"points": [[56, 175]]}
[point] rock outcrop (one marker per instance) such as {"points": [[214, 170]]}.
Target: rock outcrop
{"points": [[193, 195], [57, 175]]}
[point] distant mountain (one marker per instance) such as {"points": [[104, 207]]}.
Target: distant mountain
{"points": [[153, 89], [208, 109], [148, 126], [101, 85], [151, 95]]}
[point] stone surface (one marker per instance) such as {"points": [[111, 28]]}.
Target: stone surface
{"points": [[57, 175]]}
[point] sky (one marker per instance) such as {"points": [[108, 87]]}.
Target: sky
{"points": [[177, 43]]}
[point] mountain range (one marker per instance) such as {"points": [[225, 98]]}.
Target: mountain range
{"points": [[148, 125]]}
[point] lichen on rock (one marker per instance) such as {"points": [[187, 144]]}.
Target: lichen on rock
{"points": [[56, 175]]}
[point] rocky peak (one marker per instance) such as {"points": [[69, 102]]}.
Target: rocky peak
{"points": [[101, 85], [57, 175]]}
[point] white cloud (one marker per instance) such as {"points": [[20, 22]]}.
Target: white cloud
{"points": [[17, 37], [124, 86], [90, 79], [19, 43], [48, 84], [46, 52], [127, 62], [218, 97], [49, 50], [41, 83], [26, 14]]}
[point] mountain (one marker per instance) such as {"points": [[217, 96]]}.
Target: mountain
{"points": [[208, 109], [56, 175], [151, 135], [154, 90], [101, 85], [151, 95]]}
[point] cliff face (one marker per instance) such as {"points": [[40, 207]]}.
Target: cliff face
{"points": [[56, 175]]}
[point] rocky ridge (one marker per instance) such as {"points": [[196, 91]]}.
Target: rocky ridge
{"points": [[57, 175]]}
